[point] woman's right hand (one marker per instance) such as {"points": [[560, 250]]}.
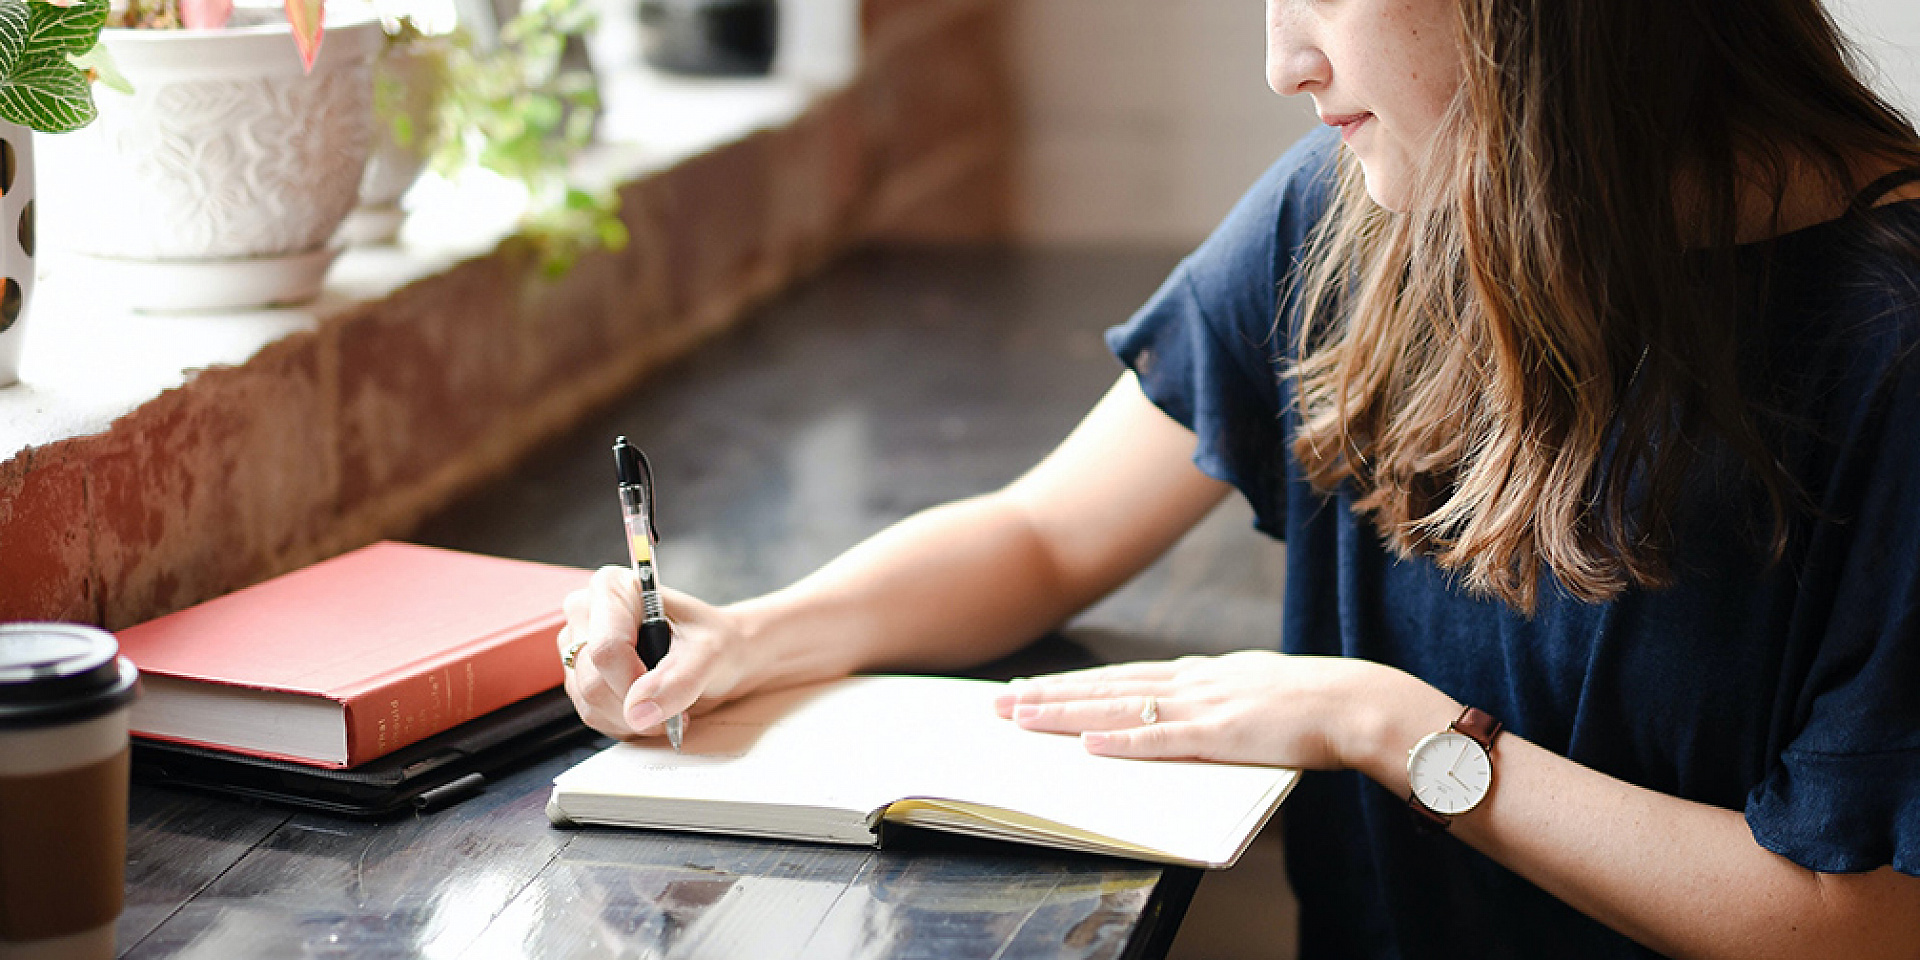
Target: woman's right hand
{"points": [[612, 690]]}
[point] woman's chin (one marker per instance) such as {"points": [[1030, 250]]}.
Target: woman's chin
{"points": [[1387, 190]]}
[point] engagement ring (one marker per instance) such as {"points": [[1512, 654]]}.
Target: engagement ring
{"points": [[573, 651], [1151, 711]]}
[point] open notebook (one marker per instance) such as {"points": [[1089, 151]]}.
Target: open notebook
{"points": [[830, 762]]}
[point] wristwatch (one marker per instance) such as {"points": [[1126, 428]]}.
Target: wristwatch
{"points": [[1451, 770]]}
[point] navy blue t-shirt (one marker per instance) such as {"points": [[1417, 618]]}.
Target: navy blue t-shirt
{"points": [[1789, 691]]}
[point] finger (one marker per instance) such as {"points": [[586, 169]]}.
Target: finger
{"points": [[593, 700], [1116, 680], [578, 607], [618, 587], [564, 637], [674, 685], [1043, 692], [597, 705], [610, 631], [1157, 741], [1137, 670], [1115, 713], [603, 671]]}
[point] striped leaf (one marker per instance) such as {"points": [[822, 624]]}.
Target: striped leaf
{"points": [[14, 18], [73, 29], [46, 92]]}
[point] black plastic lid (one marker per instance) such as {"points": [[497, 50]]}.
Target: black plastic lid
{"points": [[52, 673]]}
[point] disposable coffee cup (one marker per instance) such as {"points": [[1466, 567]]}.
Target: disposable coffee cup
{"points": [[64, 694]]}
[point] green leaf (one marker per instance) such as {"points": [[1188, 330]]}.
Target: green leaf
{"points": [[14, 19], [46, 92], [74, 29], [104, 69]]}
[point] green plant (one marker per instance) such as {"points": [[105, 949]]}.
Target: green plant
{"points": [[513, 110], [49, 54]]}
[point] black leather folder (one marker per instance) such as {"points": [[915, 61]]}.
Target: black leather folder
{"points": [[433, 773]]}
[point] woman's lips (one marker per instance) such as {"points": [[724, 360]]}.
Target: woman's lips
{"points": [[1347, 123]]}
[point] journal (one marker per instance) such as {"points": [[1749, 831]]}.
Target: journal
{"points": [[831, 762]]}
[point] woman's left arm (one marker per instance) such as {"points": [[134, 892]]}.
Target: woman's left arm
{"points": [[1683, 878]]}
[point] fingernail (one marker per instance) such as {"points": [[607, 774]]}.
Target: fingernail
{"points": [[1026, 711], [644, 714], [1094, 740]]}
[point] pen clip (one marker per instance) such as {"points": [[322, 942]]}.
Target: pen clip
{"points": [[630, 463], [646, 494]]}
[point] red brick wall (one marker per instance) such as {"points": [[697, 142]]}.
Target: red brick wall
{"points": [[330, 439]]}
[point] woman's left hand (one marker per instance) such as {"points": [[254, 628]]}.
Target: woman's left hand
{"points": [[1254, 706]]}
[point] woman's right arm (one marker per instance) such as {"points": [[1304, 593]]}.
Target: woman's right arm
{"points": [[946, 588]]}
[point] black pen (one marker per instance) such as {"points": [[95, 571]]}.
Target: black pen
{"points": [[636, 510]]}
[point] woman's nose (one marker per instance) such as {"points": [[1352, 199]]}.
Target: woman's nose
{"points": [[1295, 64], [1303, 70]]}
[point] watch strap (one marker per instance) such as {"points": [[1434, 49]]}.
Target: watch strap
{"points": [[1480, 725], [1426, 817]]}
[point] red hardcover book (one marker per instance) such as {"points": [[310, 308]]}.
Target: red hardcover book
{"points": [[351, 658]]}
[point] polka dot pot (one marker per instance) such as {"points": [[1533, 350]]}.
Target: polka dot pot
{"points": [[16, 244]]}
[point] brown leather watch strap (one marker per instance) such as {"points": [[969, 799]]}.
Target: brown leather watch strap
{"points": [[1426, 816], [1479, 725]]}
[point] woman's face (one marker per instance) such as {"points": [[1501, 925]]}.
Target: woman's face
{"points": [[1383, 71]]}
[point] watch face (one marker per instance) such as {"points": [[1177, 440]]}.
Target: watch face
{"points": [[1450, 772]]}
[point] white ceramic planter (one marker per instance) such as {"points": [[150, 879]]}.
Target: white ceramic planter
{"points": [[16, 244], [220, 182], [411, 74]]}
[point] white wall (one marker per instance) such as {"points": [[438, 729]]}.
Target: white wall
{"points": [[1145, 119], [1888, 32]]}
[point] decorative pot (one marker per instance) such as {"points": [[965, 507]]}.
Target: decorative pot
{"points": [[407, 79], [220, 182], [16, 244], [709, 37]]}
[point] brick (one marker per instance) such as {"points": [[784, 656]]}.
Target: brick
{"points": [[817, 183], [214, 485], [947, 84], [423, 375], [714, 218], [46, 569], [887, 24], [969, 205], [595, 313]]}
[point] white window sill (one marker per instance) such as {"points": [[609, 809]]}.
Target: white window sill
{"points": [[87, 362]]}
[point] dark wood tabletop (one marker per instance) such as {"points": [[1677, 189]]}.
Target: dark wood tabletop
{"points": [[901, 378]]}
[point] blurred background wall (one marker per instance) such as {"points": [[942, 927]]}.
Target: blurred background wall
{"points": [[1888, 34], [1143, 120]]}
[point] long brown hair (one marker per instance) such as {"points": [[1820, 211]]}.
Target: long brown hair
{"points": [[1515, 373]]}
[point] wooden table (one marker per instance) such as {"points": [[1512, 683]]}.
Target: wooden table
{"points": [[902, 378]]}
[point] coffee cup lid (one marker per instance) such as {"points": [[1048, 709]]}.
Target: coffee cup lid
{"points": [[60, 672]]}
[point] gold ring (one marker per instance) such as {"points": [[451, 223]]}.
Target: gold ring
{"points": [[1150, 712], [566, 659]]}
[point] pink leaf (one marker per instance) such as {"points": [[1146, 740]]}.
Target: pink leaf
{"points": [[205, 14], [306, 17]]}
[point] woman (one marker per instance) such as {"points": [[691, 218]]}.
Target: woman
{"points": [[1581, 384]]}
